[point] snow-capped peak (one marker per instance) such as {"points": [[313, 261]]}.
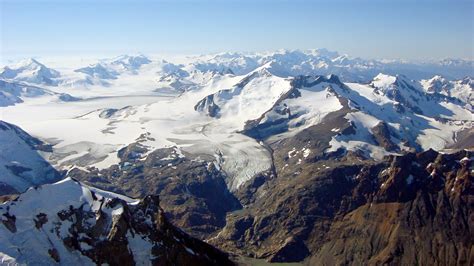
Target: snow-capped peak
{"points": [[112, 68], [30, 70], [383, 80], [98, 70], [436, 84], [467, 81], [323, 52], [386, 82], [263, 70], [29, 63], [70, 223], [462, 89], [130, 62]]}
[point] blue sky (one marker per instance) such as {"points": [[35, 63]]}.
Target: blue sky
{"points": [[407, 29]]}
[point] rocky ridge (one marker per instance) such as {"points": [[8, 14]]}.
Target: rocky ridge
{"points": [[69, 222]]}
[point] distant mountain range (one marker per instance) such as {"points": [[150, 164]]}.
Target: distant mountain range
{"points": [[285, 63]]}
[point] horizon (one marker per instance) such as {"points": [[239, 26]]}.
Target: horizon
{"points": [[368, 29], [63, 60]]}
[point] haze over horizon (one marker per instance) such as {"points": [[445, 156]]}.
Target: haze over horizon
{"points": [[395, 29]]}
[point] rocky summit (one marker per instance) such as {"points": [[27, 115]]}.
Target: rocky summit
{"points": [[69, 223]]}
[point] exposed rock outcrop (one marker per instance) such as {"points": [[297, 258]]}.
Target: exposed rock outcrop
{"points": [[193, 191], [410, 209], [71, 223]]}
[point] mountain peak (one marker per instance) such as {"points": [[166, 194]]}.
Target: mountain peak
{"points": [[264, 69], [71, 223], [437, 77], [467, 80], [28, 64], [32, 71], [324, 53], [129, 62], [383, 80], [436, 82], [98, 70]]}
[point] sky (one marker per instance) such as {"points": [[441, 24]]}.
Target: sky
{"points": [[390, 29]]}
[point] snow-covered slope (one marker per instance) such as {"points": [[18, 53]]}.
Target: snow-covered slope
{"points": [[21, 164], [69, 223], [407, 116], [128, 62], [462, 89], [98, 71], [173, 83], [112, 68], [12, 93], [102, 72], [247, 100], [238, 63], [305, 104], [392, 114], [30, 71]]}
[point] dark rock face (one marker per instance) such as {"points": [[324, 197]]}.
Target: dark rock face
{"points": [[208, 106], [9, 222], [262, 130], [258, 130], [292, 250], [310, 81], [382, 135], [115, 233], [193, 192], [410, 209], [174, 245], [6, 190], [465, 138]]}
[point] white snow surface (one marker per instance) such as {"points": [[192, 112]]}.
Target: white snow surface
{"points": [[85, 138], [30, 70], [403, 106], [27, 244], [461, 89], [21, 165]]}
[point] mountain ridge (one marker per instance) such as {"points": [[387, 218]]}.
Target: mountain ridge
{"points": [[69, 222]]}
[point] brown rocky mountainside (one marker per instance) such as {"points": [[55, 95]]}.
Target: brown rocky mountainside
{"points": [[192, 191], [322, 209], [415, 209]]}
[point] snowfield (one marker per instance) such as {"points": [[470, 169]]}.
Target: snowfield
{"points": [[201, 104], [83, 137]]}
